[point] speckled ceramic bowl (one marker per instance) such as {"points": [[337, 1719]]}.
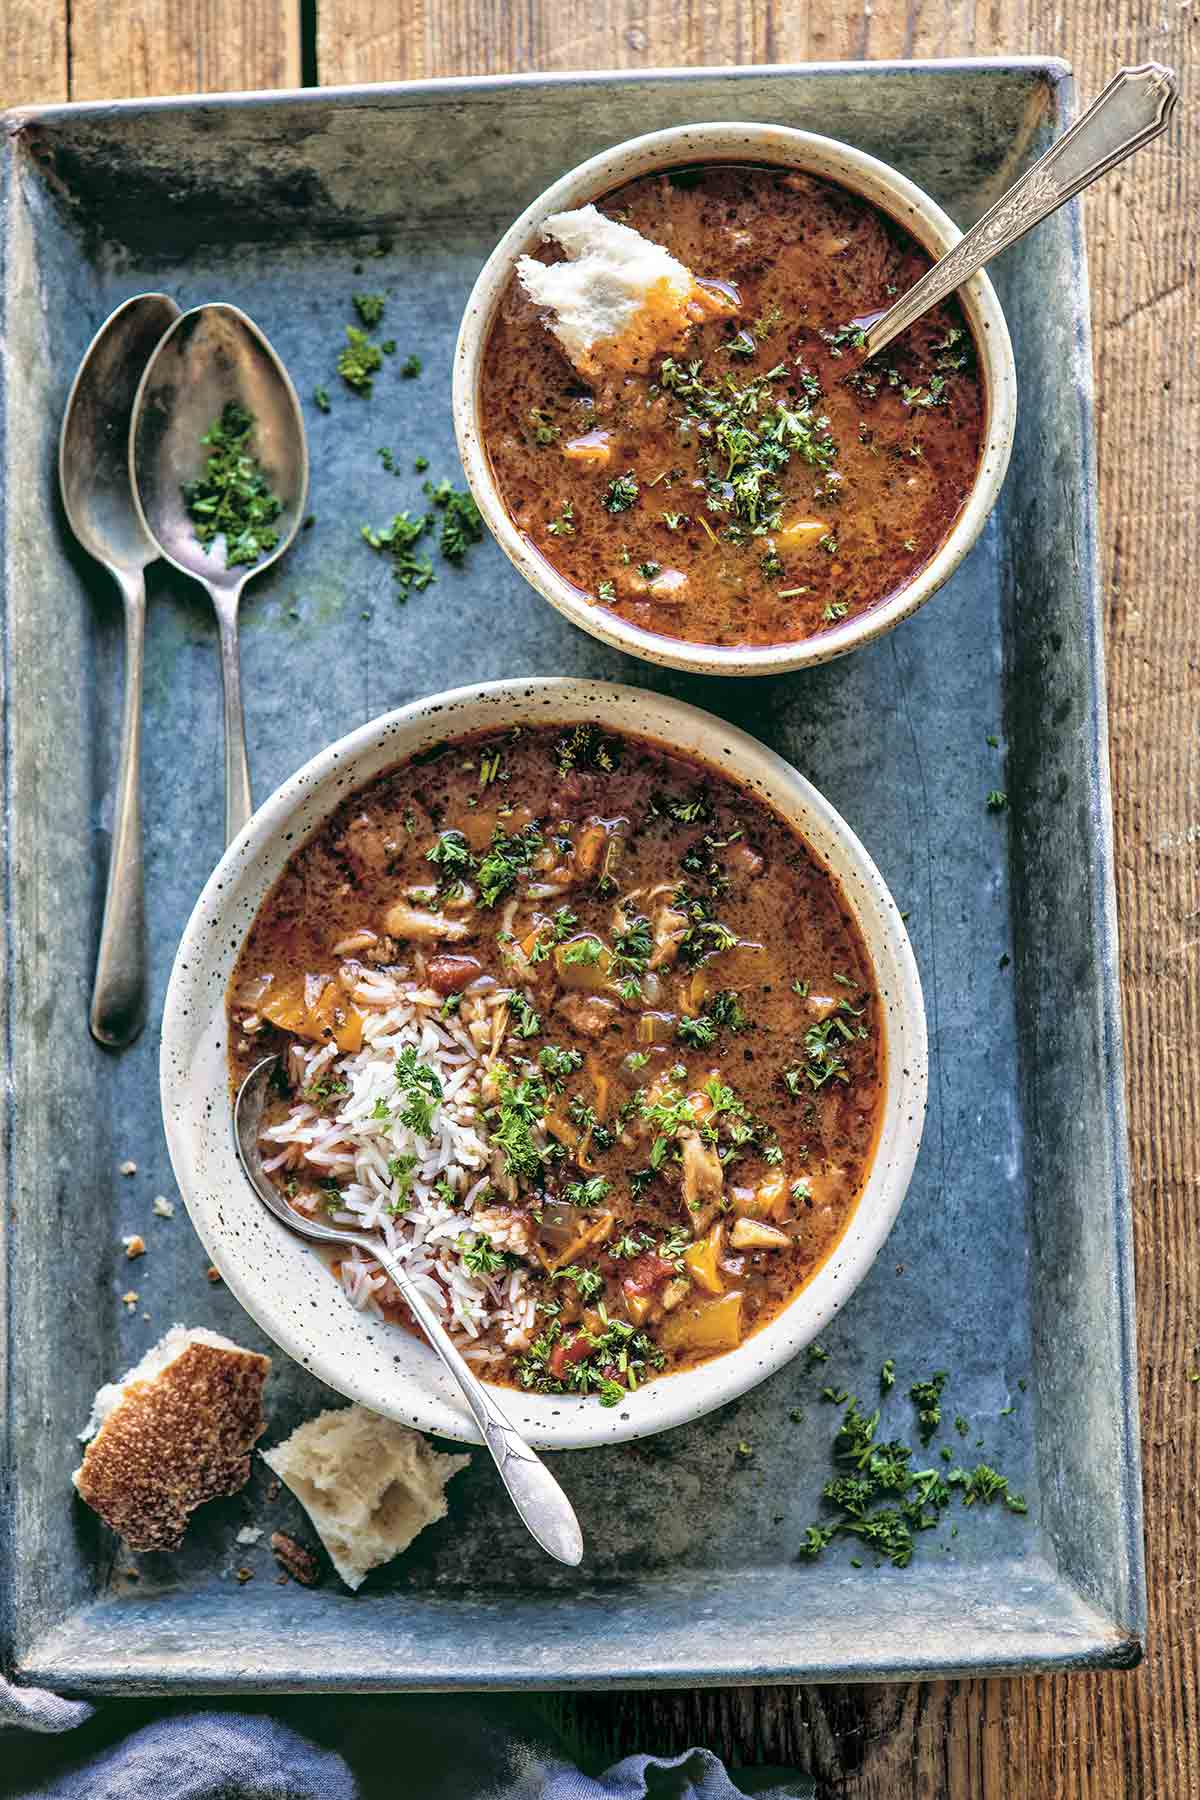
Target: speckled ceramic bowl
{"points": [[280, 1280], [776, 144]]}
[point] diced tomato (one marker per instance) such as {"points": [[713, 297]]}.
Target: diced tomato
{"points": [[645, 1273], [450, 974], [564, 1354]]}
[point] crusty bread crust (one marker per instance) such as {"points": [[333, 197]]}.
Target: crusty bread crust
{"points": [[174, 1442]]}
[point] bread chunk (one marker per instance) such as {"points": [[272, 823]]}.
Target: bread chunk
{"points": [[174, 1431], [368, 1484], [619, 299]]}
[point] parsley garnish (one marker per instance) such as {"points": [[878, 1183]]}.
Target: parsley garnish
{"points": [[360, 361], [396, 541], [508, 857], [369, 308], [422, 1091], [462, 521], [621, 493], [232, 498]]}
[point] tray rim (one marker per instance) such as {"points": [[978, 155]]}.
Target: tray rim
{"points": [[1121, 1645], [1056, 69]]}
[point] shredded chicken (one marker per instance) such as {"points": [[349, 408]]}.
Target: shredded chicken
{"points": [[753, 1234], [417, 926], [703, 1181]]}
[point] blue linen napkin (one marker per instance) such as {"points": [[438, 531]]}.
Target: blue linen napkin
{"points": [[324, 1747]]}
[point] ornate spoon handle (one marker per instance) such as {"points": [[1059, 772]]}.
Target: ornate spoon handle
{"points": [[545, 1509], [1135, 106]]}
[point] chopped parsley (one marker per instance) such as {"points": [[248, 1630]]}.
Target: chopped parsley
{"points": [[516, 1121], [585, 747], [524, 1018], [754, 434], [321, 399], [997, 800], [360, 362], [926, 1397], [396, 541], [585, 950], [587, 1193], [606, 590], [410, 368], [232, 499], [509, 856], [564, 524], [369, 308], [559, 1064], [621, 493], [421, 1089], [462, 521]]}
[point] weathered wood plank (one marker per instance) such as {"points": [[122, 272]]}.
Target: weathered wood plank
{"points": [[181, 46], [33, 51]]}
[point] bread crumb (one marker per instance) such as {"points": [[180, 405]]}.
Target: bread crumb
{"points": [[295, 1559], [249, 1534], [368, 1484], [244, 1575], [213, 1273], [129, 1168], [130, 1300], [134, 1246], [164, 1208]]}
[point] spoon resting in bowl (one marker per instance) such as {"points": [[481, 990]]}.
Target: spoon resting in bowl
{"points": [[1132, 110], [541, 1503]]}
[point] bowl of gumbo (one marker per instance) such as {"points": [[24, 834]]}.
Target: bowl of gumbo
{"points": [[667, 421], [616, 1045]]}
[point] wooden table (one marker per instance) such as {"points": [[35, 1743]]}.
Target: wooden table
{"points": [[1110, 1737]]}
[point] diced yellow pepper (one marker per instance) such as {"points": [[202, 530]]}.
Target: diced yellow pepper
{"points": [[701, 1260], [287, 1005], [590, 976], [704, 1325], [638, 1308]]}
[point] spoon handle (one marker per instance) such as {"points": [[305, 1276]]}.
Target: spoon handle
{"points": [[238, 802], [1134, 108], [541, 1503], [118, 1009]]}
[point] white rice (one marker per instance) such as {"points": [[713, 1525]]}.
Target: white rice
{"points": [[352, 1147]]}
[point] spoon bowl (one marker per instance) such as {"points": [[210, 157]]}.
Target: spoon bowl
{"points": [[541, 1503], [93, 473], [211, 357]]}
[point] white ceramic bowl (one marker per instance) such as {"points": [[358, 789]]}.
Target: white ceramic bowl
{"points": [[775, 144], [280, 1280]]}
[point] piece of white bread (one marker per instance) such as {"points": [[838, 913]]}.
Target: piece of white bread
{"points": [[174, 1431], [617, 300], [368, 1484]]}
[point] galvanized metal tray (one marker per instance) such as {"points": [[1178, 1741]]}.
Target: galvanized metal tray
{"points": [[1010, 1264]]}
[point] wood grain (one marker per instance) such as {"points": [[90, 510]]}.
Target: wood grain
{"points": [[141, 47], [1130, 1737], [33, 51]]}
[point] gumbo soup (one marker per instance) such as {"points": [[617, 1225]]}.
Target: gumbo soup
{"points": [[729, 470], [585, 1033]]}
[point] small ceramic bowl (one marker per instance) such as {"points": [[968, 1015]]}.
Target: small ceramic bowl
{"points": [[281, 1281], [773, 144]]}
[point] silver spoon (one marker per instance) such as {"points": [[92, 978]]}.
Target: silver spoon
{"points": [[211, 356], [534, 1492], [1133, 109], [93, 473]]}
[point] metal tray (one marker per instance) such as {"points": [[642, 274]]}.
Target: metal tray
{"points": [[1010, 1263]]}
